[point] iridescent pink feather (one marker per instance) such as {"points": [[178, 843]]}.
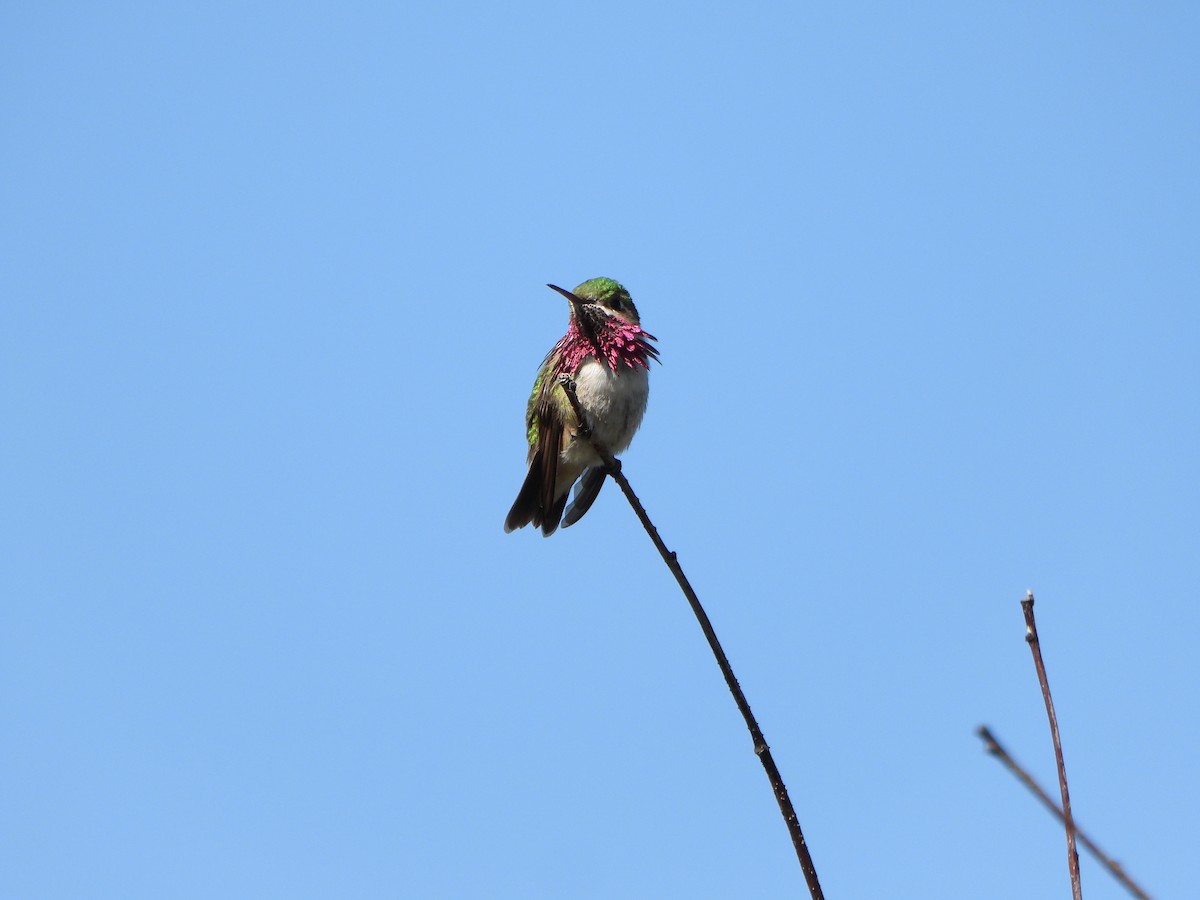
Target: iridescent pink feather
{"points": [[619, 342]]}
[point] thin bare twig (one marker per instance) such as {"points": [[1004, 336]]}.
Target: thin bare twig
{"points": [[760, 744], [994, 747], [1031, 636]]}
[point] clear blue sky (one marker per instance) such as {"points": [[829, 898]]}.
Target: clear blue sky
{"points": [[925, 281]]}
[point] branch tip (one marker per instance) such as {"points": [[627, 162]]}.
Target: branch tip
{"points": [[1039, 665]]}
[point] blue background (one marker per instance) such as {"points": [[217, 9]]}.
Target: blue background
{"points": [[925, 280]]}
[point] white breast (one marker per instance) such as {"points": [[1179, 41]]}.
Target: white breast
{"points": [[614, 403]]}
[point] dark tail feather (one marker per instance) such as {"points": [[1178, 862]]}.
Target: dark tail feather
{"points": [[586, 491], [550, 520], [536, 502], [526, 507]]}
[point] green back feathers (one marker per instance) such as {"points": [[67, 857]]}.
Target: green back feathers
{"points": [[531, 419], [547, 380]]}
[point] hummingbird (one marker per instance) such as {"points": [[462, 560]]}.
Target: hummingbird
{"points": [[607, 354]]}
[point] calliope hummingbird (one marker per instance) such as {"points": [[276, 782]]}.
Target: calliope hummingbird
{"points": [[607, 355]]}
